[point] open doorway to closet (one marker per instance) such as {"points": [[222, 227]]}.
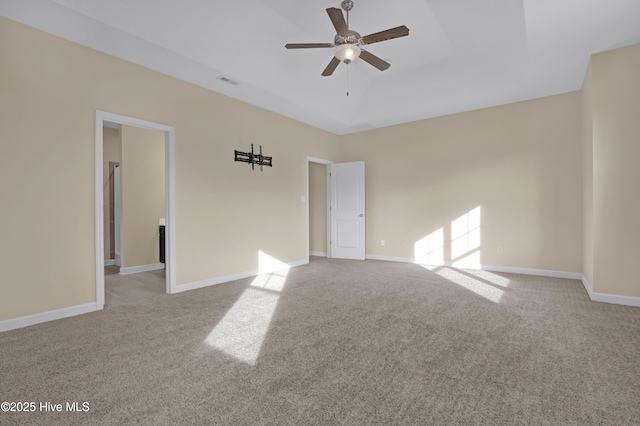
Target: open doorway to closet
{"points": [[318, 201], [135, 209], [134, 222]]}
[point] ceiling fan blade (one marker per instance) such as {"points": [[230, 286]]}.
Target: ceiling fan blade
{"points": [[331, 67], [307, 45], [389, 34], [374, 60], [337, 19]]}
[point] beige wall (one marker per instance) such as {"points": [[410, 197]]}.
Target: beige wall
{"points": [[615, 114], [318, 207], [47, 135], [111, 153], [520, 163], [226, 213], [143, 195]]}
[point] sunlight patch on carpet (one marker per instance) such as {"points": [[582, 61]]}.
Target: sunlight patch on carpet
{"points": [[243, 329], [491, 277], [478, 287]]}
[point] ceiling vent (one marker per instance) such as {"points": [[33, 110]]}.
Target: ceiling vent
{"points": [[228, 80]]}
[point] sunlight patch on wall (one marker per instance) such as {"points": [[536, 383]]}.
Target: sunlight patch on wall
{"points": [[268, 263], [480, 288], [242, 331], [430, 249], [465, 240]]}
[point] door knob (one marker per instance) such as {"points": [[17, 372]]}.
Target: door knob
{"points": [[361, 215]]}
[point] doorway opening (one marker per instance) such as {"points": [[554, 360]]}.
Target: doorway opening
{"points": [[344, 209], [318, 205], [109, 119], [112, 211]]}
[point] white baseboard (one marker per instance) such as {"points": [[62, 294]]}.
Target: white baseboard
{"points": [[390, 258], [25, 321], [109, 262], [318, 253], [596, 297], [118, 259], [609, 298], [226, 278], [141, 268], [529, 271], [489, 268], [20, 322]]}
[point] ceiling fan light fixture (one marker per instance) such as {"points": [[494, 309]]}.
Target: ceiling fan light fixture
{"points": [[347, 52], [347, 42]]}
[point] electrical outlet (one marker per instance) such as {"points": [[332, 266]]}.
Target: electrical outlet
{"points": [[500, 250], [382, 242]]}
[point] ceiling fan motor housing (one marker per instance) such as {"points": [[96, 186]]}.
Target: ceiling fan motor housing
{"points": [[353, 38]]}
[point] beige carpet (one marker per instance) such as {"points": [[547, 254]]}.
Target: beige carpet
{"points": [[121, 289], [338, 342]]}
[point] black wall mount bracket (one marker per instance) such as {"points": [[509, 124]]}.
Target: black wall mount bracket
{"points": [[253, 159]]}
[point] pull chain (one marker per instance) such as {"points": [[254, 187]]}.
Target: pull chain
{"points": [[347, 79], [347, 64]]}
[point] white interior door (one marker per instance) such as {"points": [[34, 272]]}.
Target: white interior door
{"points": [[347, 210]]}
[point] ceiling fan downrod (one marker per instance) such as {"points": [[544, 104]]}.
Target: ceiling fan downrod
{"points": [[347, 5]]}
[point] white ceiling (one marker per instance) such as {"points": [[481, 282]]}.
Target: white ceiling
{"points": [[460, 55]]}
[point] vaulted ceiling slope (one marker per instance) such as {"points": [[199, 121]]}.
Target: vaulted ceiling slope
{"points": [[460, 55]]}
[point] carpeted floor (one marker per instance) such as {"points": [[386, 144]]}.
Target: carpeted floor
{"points": [[120, 289], [337, 342]]}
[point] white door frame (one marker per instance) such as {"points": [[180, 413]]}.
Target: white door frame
{"points": [[170, 191], [116, 214], [327, 163]]}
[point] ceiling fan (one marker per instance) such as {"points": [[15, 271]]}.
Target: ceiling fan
{"points": [[347, 42]]}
